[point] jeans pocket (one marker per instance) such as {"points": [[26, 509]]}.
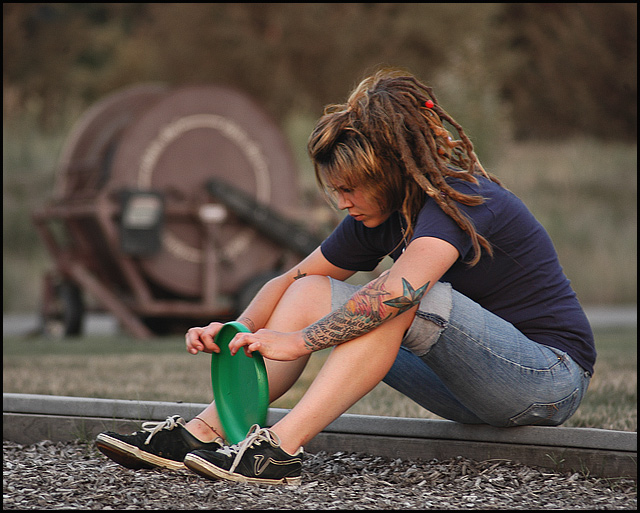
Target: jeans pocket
{"points": [[547, 414]]}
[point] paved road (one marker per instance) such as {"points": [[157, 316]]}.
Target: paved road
{"points": [[16, 324], [23, 324]]}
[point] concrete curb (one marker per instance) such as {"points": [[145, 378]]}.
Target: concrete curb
{"points": [[28, 418]]}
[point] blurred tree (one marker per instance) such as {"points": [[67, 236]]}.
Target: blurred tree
{"points": [[563, 68], [289, 56], [55, 53], [575, 71]]}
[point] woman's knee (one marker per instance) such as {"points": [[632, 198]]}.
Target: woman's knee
{"points": [[313, 286], [308, 297]]}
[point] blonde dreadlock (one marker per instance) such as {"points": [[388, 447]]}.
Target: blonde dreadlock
{"points": [[390, 138]]}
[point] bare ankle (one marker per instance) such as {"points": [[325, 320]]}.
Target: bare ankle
{"points": [[203, 431], [287, 445]]}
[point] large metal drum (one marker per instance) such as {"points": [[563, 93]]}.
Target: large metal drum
{"points": [[149, 154], [176, 146]]}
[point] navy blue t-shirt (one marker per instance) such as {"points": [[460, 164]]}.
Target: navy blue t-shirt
{"points": [[523, 282]]}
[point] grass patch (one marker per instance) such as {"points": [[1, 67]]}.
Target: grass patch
{"points": [[613, 393], [106, 367], [161, 370]]}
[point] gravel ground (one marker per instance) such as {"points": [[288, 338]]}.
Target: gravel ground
{"points": [[75, 475]]}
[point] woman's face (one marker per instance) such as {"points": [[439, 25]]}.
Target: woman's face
{"points": [[360, 205]]}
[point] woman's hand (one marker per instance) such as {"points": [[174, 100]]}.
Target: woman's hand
{"points": [[201, 339], [273, 345]]}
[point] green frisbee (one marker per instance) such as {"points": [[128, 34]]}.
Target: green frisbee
{"points": [[240, 385]]}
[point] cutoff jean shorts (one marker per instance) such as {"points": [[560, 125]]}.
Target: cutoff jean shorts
{"points": [[468, 365]]}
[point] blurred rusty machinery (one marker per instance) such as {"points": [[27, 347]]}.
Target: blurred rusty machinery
{"points": [[171, 207]]}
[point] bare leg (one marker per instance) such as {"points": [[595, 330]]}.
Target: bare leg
{"points": [[282, 375], [315, 295], [352, 370]]}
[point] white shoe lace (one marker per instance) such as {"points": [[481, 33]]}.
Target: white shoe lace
{"points": [[256, 434], [169, 423]]}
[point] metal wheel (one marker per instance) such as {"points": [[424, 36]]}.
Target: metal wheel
{"points": [[63, 309], [85, 161]]}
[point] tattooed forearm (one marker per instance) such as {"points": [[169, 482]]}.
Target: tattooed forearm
{"points": [[363, 312], [410, 297]]}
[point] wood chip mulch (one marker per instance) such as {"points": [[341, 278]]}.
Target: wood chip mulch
{"points": [[74, 475]]}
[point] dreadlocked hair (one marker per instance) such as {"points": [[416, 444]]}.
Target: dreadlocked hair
{"points": [[387, 139]]}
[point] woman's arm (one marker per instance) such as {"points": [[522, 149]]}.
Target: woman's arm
{"points": [[256, 315], [396, 291], [261, 307]]}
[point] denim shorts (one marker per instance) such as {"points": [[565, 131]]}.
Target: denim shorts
{"points": [[466, 364]]}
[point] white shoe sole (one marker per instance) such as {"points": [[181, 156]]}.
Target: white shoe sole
{"points": [[206, 469], [127, 455]]}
